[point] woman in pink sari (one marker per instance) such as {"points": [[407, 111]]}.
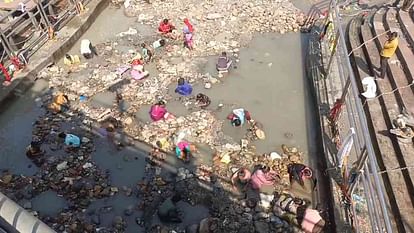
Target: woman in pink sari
{"points": [[263, 177], [158, 111]]}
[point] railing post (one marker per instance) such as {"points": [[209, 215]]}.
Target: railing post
{"points": [[12, 44], [328, 69], [407, 4], [33, 19], [43, 15], [5, 43]]}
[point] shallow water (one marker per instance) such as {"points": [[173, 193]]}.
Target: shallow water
{"points": [[110, 23], [48, 203], [125, 166], [106, 210], [16, 121], [269, 83]]}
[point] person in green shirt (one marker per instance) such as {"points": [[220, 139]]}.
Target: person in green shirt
{"points": [[168, 212], [146, 52]]}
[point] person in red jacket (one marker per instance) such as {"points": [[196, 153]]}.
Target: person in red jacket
{"points": [[4, 72], [166, 28]]}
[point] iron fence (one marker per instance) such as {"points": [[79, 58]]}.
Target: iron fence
{"points": [[357, 186], [27, 27]]}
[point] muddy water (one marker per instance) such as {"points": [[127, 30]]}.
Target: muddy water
{"points": [[16, 121], [48, 203], [111, 22], [269, 82]]}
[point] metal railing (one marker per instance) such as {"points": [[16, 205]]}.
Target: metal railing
{"points": [[19, 219], [28, 27], [358, 187]]}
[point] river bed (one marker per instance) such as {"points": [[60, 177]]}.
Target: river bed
{"points": [[269, 82]]}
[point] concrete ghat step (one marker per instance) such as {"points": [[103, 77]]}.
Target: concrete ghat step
{"points": [[389, 109], [396, 79], [401, 65], [373, 109], [407, 26]]}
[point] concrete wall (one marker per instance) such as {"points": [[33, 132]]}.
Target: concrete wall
{"points": [[19, 219]]}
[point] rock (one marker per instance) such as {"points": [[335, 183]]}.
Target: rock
{"points": [[275, 155], [265, 200], [131, 31], [7, 178], [276, 220], [139, 221], [213, 16], [62, 166], [128, 192], [85, 140], [261, 215], [118, 223], [27, 204], [207, 85], [128, 121], [248, 216], [192, 229], [261, 227], [87, 165]]}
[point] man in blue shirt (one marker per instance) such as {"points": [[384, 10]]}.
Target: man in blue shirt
{"points": [[70, 139], [183, 88]]}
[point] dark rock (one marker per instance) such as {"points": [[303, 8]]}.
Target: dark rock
{"points": [[139, 221], [261, 227], [27, 204], [192, 229]]}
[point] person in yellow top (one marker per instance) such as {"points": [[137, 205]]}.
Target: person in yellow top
{"points": [[388, 51], [60, 103], [71, 59]]}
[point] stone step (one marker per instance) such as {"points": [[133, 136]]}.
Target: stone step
{"points": [[407, 26], [401, 181], [401, 65], [373, 110], [382, 110]]}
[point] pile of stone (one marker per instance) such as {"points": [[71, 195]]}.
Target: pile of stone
{"points": [[221, 25], [197, 127], [70, 173]]}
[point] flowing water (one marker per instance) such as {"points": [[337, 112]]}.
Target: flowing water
{"points": [[269, 81]]}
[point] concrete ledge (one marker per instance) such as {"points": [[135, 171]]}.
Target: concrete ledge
{"points": [[19, 219], [53, 50]]}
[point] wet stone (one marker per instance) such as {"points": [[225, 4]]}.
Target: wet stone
{"points": [[27, 204], [261, 227]]}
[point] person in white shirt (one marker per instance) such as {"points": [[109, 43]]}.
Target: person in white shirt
{"points": [[87, 49]]}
